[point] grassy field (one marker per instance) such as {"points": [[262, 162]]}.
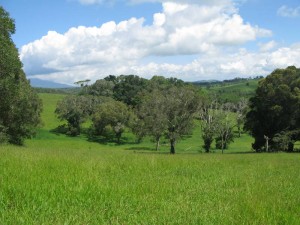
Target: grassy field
{"points": [[56, 179]]}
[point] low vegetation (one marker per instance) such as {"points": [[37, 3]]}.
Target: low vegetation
{"points": [[75, 183]]}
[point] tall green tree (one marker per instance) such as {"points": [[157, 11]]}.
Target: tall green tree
{"points": [[217, 122], [181, 104], [152, 116], [225, 122], [20, 106], [170, 111], [114, 116], [208, 118], [77, 109], [274, 111]]}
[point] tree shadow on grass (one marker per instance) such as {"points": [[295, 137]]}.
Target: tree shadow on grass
{"points": [[274, 152], [151, 152], [61, 129], [107, 139], [242, 153], [140, 148]]}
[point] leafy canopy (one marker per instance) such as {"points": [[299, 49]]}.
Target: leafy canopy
{"points": [[20, 106], [275, 109]]}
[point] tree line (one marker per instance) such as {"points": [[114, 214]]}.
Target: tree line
{"points": [[167, 107], [159, 107]]}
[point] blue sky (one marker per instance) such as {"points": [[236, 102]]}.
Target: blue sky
{"points": [[70, 40]]}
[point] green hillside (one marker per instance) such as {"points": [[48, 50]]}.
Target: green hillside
{"points": [[232, 91], [56, 179]]}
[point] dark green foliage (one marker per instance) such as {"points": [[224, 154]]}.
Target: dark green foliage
{"points": [[101, 88], [162, 83], [283, 142], [126, 88], [75, 110], [112, 116], [275, 108], [20, 106], [208, 137]]}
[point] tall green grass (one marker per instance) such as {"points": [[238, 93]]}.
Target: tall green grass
{"points": [[55, 179], [91, 186]]}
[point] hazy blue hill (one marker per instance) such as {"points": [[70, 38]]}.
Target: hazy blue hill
{"points": [[47, 84]]}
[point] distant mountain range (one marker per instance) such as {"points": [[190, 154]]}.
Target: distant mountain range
{"points": [[47, 84]]}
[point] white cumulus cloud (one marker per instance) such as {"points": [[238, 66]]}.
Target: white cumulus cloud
{"points": [[181, 28], [264, 47]]}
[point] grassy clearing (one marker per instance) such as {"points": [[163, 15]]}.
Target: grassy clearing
{"points": [[56, 179], [91, 186]]}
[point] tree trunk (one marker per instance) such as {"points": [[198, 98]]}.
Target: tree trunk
{"points": [[157, 144], [118, 136], [267, 142], [172, 142], [222, 145]]}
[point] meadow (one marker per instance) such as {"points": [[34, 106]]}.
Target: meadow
{"points": [[55, 179]]}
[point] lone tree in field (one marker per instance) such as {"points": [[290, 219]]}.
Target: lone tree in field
{"points": [[225, 122], [169, 111], [208, 123], [152, 117], [181, 104], [275, 110], [20, 106], [217, 122]]}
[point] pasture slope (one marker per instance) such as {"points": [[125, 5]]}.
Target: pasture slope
{"points": [[56, 179], [232, 91]]}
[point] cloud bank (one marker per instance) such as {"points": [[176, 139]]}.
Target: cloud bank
{"points": [[205, 31]]}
